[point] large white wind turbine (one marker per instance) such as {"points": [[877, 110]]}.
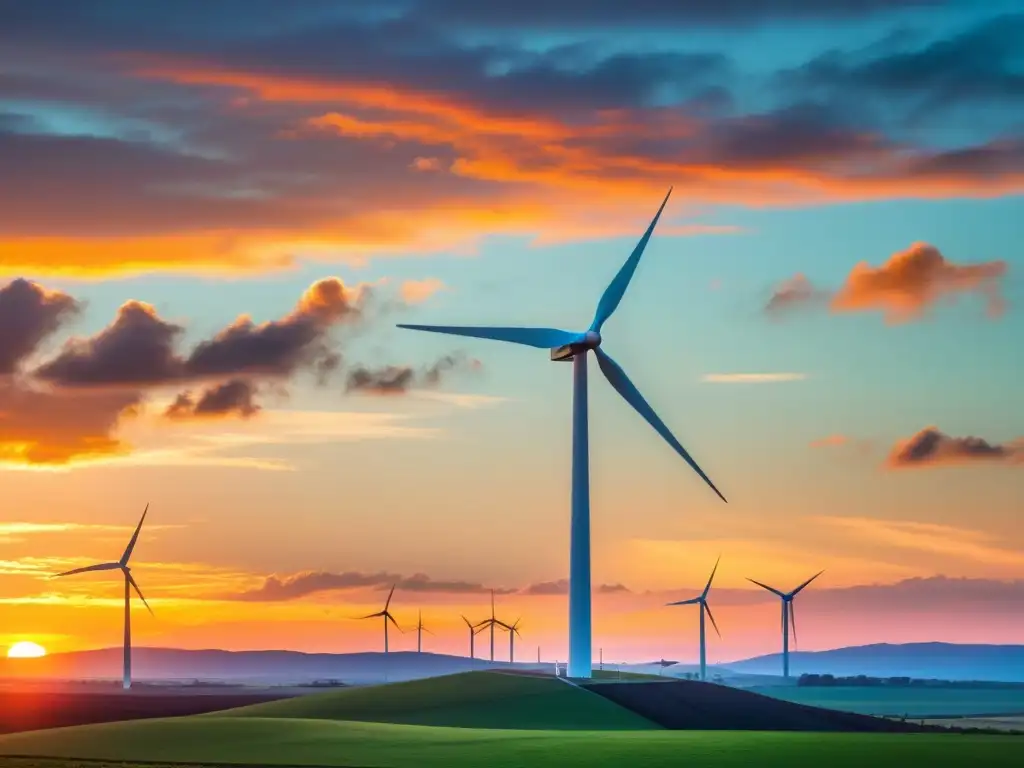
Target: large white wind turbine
{"points": [[129, 584], [574, 346], [702, 601], [386, 616], [788, 616], [420, 629]]}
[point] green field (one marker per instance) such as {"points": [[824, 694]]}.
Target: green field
{"points": [[271, 741], [913, 702], [468, 700]]}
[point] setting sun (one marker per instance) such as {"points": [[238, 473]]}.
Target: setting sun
{"points": [[25, 649]]}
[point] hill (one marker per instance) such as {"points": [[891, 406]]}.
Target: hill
{"points": [[944, 661], [470, 700], [285, 742]]}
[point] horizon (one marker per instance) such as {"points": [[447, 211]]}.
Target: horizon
{"points": [[215, 222]]}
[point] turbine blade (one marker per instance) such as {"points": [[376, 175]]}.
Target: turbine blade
{"points": [[792, 621], [389, 617], [388, 603], [765, 586], [711, 577], [712, 617], [691, 601], [135, 537], [370, 616], [620, 381], [138, 591], [797, 590], [86, 569], [541, 338], [617, 287]]}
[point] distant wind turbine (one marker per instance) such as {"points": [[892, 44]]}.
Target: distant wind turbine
{"points": [[512, 632], [788, 616], [474, 630], [702, 601], [420, 629], [491, 623], [386, 614], [129, 584], [574, 346]]}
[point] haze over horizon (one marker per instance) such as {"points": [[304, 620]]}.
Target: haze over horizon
{"points": [[214, 216]]}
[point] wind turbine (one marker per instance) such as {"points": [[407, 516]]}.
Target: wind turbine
{"points": [[129, 584], [491, 623], [574, 346], [474, 630], [386, 614], [788, 616], [512, 632], [420, 629], [702, 601]]}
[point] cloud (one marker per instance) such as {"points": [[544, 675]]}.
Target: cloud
{"points": [[418, 291], [275, 588], [751, 378], [400, 379], [914, 280], [839, 441], [960, 543], [29, 313], [791, 293], [974, 66], [561, 587], [140, 349], [233, 398], [329, 135], [903, 288], [931, 447]]}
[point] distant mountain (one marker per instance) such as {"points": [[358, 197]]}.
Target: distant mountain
{"points": [[254, 667], [944, 661]]}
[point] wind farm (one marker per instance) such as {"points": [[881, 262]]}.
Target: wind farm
{"points": [[255, 262]]}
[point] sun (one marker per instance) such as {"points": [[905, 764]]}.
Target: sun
{"points": [[25, 649]]}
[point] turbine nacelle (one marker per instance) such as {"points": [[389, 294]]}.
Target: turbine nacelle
{"points": [[587, 341]]}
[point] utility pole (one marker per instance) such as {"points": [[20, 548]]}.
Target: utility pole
{"points": [[600, 664]]}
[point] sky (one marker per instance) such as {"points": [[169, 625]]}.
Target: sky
{"points": [[213, 215]]}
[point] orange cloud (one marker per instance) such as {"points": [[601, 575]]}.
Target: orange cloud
{"points": [[915, 279], [931, 447], [492, 171]]}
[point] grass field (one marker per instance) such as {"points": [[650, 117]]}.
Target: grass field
{"points": [[913, 702], [468, 700], [273, 742]]}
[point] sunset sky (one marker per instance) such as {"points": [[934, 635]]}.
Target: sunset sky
{"points": [[213, 214]]}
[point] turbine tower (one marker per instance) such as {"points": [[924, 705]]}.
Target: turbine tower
{"points": [[512, 632], [474, 630], [788, 616], [129, 584], [702, 601], [420, 629], [574, 346], [386, 614]]}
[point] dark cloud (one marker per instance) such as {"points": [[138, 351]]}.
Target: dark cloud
{"points": [[399, 379], [276, 588], [29, 313], [233, 398], [931, 447], [979, 64], [139, 348]]}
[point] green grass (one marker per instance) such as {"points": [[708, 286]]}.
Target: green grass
{"points": [[467, 700], [272, 742], [611, 676], [914, 702]]}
